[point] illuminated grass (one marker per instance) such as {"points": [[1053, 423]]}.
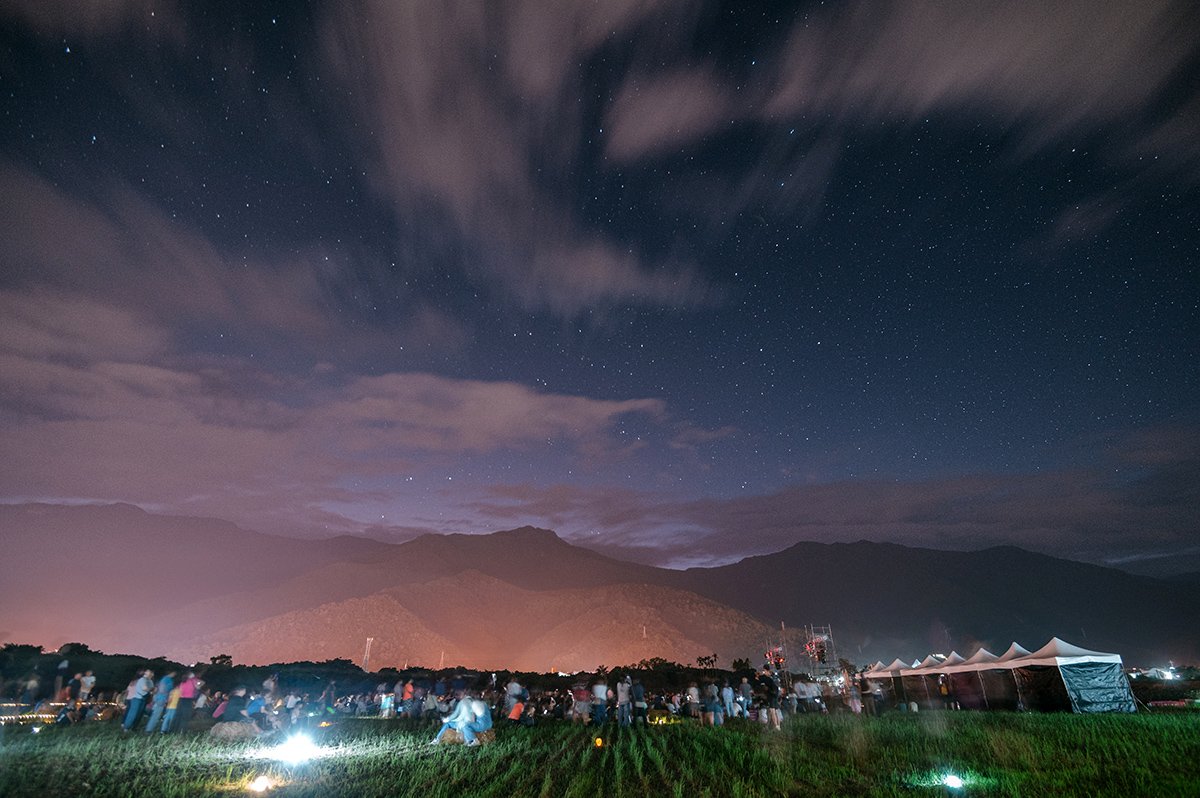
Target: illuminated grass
{"points": [[994, 754]]}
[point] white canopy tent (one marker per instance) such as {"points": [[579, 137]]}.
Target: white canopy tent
{"points": [[1058, 676]]}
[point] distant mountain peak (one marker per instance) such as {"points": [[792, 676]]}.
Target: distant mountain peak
{"points": [[530, 533]]}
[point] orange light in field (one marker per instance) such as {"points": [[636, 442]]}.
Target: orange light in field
{"points": [[261, 784], [599, 742]]}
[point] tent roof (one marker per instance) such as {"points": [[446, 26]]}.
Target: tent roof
{"points": [[1015, 651], [1056, 652], [928, 665], [1060, 652], [979, 660], [981, 657]]}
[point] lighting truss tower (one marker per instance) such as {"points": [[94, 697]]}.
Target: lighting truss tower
{"points": [[820, 651], [367, 655]]}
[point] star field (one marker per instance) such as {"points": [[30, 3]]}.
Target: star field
{"points": [[689, 281]]}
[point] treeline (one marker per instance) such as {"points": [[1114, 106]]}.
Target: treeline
{"points": [[19, 663]]}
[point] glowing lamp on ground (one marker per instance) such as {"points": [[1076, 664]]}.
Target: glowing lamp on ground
{"points": [[599, 742], [950, 781], [296, 750]]}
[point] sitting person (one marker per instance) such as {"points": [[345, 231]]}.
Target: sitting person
{"points": [[480, 722], [462, 714], [235, 707]]}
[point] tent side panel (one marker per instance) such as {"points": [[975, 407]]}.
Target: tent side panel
{"points": [[1098, 687], [1042, 689], [916, 688], [1000, 687], [967, 690]]}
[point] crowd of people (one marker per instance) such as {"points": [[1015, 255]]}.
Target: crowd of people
{"points": [[167, 704]]}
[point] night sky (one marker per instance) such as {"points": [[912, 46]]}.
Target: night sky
{"points": [[683, 282]]}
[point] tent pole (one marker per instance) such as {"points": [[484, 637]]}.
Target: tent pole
{"points": [[983, 690], [1017, 684]]}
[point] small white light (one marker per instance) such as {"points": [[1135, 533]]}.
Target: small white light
{"points": [[37, 729], [952, 781]]}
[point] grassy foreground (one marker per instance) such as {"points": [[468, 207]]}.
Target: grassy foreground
{"points": [[994, 754]]}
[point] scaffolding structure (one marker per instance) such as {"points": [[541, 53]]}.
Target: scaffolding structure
{"points": [[821, 651]]}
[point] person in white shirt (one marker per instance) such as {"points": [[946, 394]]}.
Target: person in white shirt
{"points": [[85, 685]]}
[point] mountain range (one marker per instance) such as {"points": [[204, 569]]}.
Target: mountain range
{"points": [[124, 580]]}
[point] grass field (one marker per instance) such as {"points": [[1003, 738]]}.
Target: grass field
{"points": [[994, 754]]}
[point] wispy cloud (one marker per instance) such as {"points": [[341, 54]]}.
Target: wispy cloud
{"points": [[482, 114]]}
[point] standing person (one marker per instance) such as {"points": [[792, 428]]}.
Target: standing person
{"points": [[599, 701], [328, 698], [161, 693], [32, 687], [771, 687], [727, 699], [745, 696], [637, 692], [60, 678], [407, 695], [581, 705], [624, 701], [512, 692], [86, 684], [692, 709], [189, 691], [172, 708], [135, 698], [712, 709]]}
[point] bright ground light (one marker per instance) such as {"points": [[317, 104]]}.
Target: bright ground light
{"points": [[295, 750]]}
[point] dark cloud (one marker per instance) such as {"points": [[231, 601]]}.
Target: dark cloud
{"points": [[86, 384], [98, 18], [1094, 515]]}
